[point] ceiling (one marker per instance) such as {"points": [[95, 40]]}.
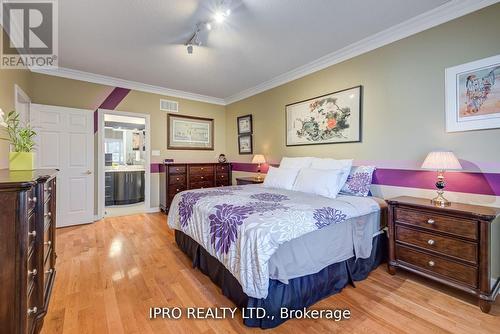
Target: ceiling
{"points": [[143, 40]]}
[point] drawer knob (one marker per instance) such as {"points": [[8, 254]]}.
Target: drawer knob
{"points": [[32, 310], [48, 243], [431, 242], [202, 177], [177, 179], [32, 234], [49, 189], [48, 214], [201, 168], [49, 271], [431, 263], [430, 221], [222, 176], [32, 272], [177, 190], [32, 200]]}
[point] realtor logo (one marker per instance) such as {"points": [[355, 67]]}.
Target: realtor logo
{"points": [[29, 36]]}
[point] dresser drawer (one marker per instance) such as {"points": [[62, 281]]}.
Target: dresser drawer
{"points": [[179, 179], [435, 264], [222, 168], [31, 199], [47, 190], [459, 249], [201, 185], [32, 309], [203, 169], [224, 183], [48, 271], [201, 178], [222, 177], [32, 272], [176, 189], [177, 169], [435, 222], [31, 232]]}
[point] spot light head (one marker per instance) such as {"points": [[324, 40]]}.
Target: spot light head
{"points": [[219, 17], [190, 49]]}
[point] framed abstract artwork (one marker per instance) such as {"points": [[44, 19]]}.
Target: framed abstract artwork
{"points": [[473, 95], [328, 119], [190, 133], [245, 124], [245, 145]]}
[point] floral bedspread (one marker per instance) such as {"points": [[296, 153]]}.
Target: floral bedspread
{"points": [[242, 226]]}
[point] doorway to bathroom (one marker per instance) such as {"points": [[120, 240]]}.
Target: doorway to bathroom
{"points": [[124, 163]]}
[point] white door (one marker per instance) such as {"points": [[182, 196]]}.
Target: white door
{"points": [[65, 141]]}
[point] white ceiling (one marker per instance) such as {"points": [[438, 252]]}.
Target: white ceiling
{"points": [[143, 40]]}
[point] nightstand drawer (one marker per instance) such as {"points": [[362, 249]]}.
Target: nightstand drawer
{"points": [[435, 264], [179, 179], [459, 249], [435, 222]]}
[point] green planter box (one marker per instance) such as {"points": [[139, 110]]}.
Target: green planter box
{"points": [[21, 160]]}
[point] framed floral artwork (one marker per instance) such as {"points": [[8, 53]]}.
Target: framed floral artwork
{"points": [[245, 125], [245, 145], [328, 119], [473, 95]]}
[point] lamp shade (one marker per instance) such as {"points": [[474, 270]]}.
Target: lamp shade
{"points": [[258, 159], [441, 161]]}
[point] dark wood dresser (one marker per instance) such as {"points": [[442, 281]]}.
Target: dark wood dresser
{"points": [[27, 248], [454, 245], [177, 177]]}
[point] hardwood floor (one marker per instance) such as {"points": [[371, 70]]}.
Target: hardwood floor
{"points": [[110, 273]]}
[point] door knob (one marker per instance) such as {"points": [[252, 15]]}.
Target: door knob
{"points": [[89, 172]]}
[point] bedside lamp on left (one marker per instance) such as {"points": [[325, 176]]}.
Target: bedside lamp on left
{"points": [[259, 159]]}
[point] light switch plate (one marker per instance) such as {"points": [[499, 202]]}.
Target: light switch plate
{"points": [[155, 153]]}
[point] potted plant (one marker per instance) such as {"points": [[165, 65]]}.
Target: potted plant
{"points": [[22, 142]]}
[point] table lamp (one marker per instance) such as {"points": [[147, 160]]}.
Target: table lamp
{"points": [[441, 161], [259, 159]]}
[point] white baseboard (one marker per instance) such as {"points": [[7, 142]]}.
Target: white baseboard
{"points": [[153, 210]]}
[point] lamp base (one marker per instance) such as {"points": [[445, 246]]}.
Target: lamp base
{"points": [[440, 201]]}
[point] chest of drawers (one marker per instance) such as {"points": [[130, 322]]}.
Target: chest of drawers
{"points": [[451, 245], [27, 248], [175, 178]]}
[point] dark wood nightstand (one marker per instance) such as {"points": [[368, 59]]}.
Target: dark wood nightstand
{"points": [[248, 180], [451, 245]]}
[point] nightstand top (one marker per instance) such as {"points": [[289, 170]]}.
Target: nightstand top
{"points": [[482, 212], [250, 179]]}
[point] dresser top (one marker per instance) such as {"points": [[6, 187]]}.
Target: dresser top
{"points": [[195, 163], [24, 179], [482, 212]]}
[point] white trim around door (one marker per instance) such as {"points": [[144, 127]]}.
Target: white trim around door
{"points": [[101, 162]]}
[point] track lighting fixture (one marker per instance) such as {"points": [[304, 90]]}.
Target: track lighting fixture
{"points": [[220, 15]]}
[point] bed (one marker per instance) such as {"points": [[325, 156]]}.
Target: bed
{"points": [[274, 248]]}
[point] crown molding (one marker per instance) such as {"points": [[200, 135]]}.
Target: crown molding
{"points": [[110, 81], [444, 13]]}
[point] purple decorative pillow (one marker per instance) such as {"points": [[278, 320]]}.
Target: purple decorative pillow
{"points": [[359, 181]]}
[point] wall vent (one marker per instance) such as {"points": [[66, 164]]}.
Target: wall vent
{"points": [[169, 106]]}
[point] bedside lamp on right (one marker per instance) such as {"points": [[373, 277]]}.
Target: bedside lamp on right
{"points": [[259, 159], [441, 161]]}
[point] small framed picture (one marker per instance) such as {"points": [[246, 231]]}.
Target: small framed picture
{"points": [[245, 125], [245, 144]]}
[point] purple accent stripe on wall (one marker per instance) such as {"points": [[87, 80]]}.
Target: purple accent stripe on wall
{"points": [[114, 98], [474, 183], [155, 167], [111, 102]]}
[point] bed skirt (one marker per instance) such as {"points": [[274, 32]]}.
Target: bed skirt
{"points": [[300, 292]]}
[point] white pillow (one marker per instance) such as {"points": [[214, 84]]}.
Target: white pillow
{"points": [[281, 178], [302, 162], [327, 163], [319, 181]]}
